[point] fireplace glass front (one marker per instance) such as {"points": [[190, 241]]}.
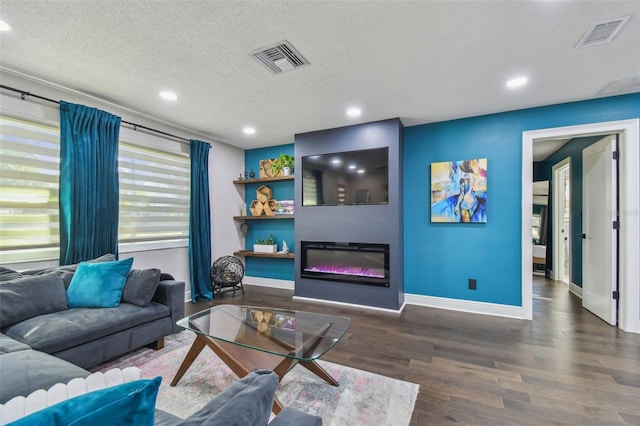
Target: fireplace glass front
{"points": [[359, 263]]}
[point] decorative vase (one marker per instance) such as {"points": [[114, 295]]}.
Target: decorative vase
{"points": [[265, 248], [252, 174]]}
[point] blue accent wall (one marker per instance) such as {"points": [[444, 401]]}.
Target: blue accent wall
{"points": [[440, 258], [274, 268]]}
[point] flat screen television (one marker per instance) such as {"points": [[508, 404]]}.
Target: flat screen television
{"points": [[346, 178]]}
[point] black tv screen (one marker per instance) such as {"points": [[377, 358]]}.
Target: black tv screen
{"points": [[346, 178]]}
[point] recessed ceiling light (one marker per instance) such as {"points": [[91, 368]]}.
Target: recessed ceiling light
{"points": [[352, 166], [249, 131], [170, 96], [336, 161], [4, 26], [354, 112], [516, 82], [361, 171]]}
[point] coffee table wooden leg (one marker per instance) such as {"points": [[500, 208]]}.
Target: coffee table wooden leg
{"points": [[319, 371], [194, 351], [277, 406]]}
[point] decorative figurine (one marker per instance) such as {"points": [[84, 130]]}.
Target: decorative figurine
{"points": [[285, 248], [246, 175]]}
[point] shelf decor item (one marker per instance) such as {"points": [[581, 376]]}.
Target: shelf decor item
{"points": [[265, 246], [285, 207], [266, 170], [264, 205], [283, 165]]}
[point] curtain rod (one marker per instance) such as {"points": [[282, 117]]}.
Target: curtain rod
{"points": [[24, 94]]}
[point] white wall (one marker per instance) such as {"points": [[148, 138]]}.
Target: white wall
{"points": [[225, 162]]}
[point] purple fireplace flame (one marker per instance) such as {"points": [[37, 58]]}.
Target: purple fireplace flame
{"points": [[348, 270]]}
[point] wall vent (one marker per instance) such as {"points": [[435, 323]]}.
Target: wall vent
{"points": [[619, 87], [280, 57], [602, 32]]}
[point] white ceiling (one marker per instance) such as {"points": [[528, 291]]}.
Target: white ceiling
{"points": [[421, 61]]}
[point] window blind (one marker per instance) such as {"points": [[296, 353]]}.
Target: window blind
{"points": [[29, 175], [154, 195]]}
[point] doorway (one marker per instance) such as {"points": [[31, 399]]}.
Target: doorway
{"points": [[629, 206], [561, 208]]}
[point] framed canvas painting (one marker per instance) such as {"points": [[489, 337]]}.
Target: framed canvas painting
{"points": [[459, 191]]}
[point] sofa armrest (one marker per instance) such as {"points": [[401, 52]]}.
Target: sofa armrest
{"points": [[171, 293]]}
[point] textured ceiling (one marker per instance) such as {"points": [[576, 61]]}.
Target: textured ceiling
{"points": [[421, 61]]}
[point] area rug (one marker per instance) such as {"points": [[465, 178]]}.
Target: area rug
{"points": [[362, 398]]}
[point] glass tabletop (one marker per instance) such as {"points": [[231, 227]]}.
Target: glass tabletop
{"points": [[300, 335]]}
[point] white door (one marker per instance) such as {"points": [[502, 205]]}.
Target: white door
{"points": [[562, 221], [599, 239]]}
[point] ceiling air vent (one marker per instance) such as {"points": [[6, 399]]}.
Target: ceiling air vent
{"points": [[619, 87], [602, 32], [280, 57]]}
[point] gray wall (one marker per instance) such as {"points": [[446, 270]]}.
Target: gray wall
{"points": [[381, 224]]}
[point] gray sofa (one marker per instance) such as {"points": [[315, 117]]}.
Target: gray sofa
{"points": [[35, 321], [86, 336], [44, 342]]}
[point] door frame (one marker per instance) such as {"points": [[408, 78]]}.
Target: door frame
{"points": [[557, 218], [629, 204]]}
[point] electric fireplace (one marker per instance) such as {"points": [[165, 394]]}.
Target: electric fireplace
{"points": [[359, 263]]}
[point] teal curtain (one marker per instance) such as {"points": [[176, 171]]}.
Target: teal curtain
{"points": [[200, 223], [88, 183]]}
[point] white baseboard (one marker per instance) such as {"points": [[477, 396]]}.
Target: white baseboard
{"points": [[353, 305], [269, 282], [470, 306], [575, 289]]}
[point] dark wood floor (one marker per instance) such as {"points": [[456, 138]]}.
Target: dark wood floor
{"points": [[564, 367]]}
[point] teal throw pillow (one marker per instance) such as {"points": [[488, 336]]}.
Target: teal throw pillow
{"points": [[131, 403], [98, 285]]}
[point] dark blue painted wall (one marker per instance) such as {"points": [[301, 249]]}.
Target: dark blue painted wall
{"points": [[439, 258], [260, 229]]}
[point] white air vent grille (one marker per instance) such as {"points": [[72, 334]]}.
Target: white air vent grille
{"points": [[619, 87], [280, 57], [602, 32]]}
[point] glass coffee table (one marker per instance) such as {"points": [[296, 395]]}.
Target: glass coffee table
{"points": [[250, 337]]}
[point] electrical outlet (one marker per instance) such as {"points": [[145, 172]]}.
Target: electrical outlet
{"points": [[472, 283]]}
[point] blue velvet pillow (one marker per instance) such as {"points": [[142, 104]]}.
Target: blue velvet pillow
{"points": [[131, 403], [98, 285]]}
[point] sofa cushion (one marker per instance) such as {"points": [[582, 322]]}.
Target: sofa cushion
{"points": [[7, 345], [8, 274], [131, 403], [247, 401], [140, 286], [23, 372], [58, 331], [31, 296], [68, 268], [98, 285], [21, 406]]}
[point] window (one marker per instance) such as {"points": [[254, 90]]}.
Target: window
{"points": [[154, 196], [29, 174]]}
